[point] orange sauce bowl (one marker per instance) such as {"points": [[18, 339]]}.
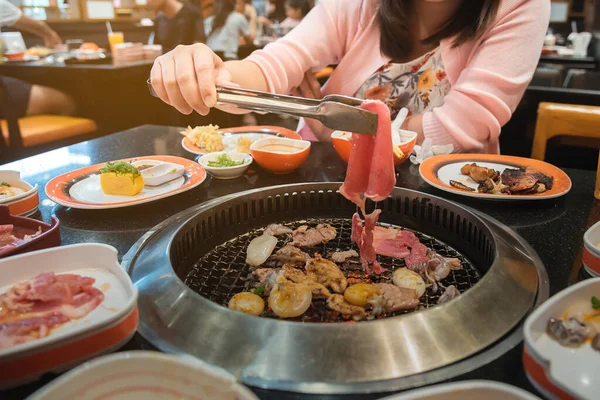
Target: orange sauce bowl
{"points": [[280, 155], [342, 144]]}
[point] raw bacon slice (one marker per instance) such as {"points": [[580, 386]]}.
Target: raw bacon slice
{"points": [[418, 256], [371, 164], [370, 174], [382, 175], [28, 310]]}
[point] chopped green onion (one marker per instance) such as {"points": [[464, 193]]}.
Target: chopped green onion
{"points": [[223, 160], [121, 168], [258, 291], [4, 184], [595, 303]]}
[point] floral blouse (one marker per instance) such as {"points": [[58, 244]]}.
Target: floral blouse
{"points": [[419, 85]]}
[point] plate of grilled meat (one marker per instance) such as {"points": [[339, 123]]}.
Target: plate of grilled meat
{"points": [[496, 177]]}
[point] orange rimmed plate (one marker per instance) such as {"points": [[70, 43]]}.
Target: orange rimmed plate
{"points": [[231, 135], [439, 170], [81, 188]]}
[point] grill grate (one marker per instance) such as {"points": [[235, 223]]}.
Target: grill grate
{"points": [[223, 272]]}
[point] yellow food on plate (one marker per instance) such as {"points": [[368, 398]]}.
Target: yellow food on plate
{"points": [[205, 137], [243, 144], [121, 179]]}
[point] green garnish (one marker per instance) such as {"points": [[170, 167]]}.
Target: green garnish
{"points": [[121, 168], [4, 184], [595, 303], [224, 160], [258, 291]]}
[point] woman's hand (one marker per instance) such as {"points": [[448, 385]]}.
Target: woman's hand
{"points": [[186, 78], [51, 40], [311, 89]]}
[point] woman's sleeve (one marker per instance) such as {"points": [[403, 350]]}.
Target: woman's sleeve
{"points": [[314, 43], [491, 86]]}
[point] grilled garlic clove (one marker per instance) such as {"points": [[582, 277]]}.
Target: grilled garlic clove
{"points": [[289, 300], [360, 294], [248, 303], [260, 249], [405, 278]]}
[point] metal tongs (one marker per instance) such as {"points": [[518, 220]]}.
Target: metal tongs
{"points": [[334, 111]]}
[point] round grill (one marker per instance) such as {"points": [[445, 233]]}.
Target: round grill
{"points": [[223, 272]]}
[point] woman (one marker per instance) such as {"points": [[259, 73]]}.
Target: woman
{"points": [[177, 23], [224, 30], [470, 62]]}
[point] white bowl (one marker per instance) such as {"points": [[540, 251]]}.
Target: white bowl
{"points": [[480, 389], [226, 172], [145, 375], [571, 370]]}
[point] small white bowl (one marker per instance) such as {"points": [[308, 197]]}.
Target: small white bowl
{"points": [[479, 389], [145, 375], [226, 172]]}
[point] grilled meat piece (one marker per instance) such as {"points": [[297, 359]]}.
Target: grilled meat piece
{"points": [[450, 293], [342, 256], [526, 180], [309, 237], [337, 303], [326, 273], [542, 178], [394, 298], [277, 229], [298, 276], [493, 187], [461, 186], [477, 173], [289, 254], [268, 278]]}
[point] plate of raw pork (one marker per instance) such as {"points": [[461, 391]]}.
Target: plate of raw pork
{"points": [[497, 177], [60, 307]]}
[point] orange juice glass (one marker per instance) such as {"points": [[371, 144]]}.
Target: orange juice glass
{"points": [[115, 38]]}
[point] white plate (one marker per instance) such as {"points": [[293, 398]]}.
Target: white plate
{"points": [[438, 171], [575, 370], [467, 390], [93, 260], [145, 375], [89, 191]]}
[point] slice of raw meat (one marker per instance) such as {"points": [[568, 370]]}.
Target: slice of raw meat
{"points": [[382, 175]]}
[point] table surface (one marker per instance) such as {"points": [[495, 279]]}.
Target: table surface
{"points": [[554, 228], [43, 64], [568, 59]]}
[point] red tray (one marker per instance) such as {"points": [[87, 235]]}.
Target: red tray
{"points": [[50, 236]]}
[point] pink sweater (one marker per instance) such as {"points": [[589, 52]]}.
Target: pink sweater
{"points": [[488, 76]]}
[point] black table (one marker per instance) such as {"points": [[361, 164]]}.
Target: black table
{"points": [[115, 96], [553, 227], [570, 61]]}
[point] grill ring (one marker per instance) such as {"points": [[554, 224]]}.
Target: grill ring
{"points": [[471, 331]]}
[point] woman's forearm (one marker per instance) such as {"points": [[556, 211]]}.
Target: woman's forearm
{"points": [[247, 74]]}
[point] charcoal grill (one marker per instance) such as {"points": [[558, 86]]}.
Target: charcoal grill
{"points": [[188, 267]]}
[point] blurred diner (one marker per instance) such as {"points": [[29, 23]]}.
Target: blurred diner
{"points": [[177, 23], [225, 29]]}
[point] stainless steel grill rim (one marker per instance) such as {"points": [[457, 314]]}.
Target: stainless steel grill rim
{"points": [[398, 349]]}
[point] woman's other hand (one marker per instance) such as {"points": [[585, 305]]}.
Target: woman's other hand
{"points": [[186, 78], [51, 39], [311, 89]]}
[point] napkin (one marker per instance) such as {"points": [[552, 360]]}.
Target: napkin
{"points": [[426, 150]]}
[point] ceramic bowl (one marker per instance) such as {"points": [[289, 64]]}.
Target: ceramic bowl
{"points": [[49, 236], [15, 56], [226, 172], [104, 329], [556, 371], [145, 375], [342, 144], [24, 204], [479, 389], [280, 155], [591, 250]]}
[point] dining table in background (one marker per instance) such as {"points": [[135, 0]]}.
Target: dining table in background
{"points": [[554, 228], [114, 95]]}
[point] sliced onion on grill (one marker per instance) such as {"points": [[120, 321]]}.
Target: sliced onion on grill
{"points": [[260, 249]]}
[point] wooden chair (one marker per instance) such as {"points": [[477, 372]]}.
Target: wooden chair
{"points": [[19, 136], [579, 122]]}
